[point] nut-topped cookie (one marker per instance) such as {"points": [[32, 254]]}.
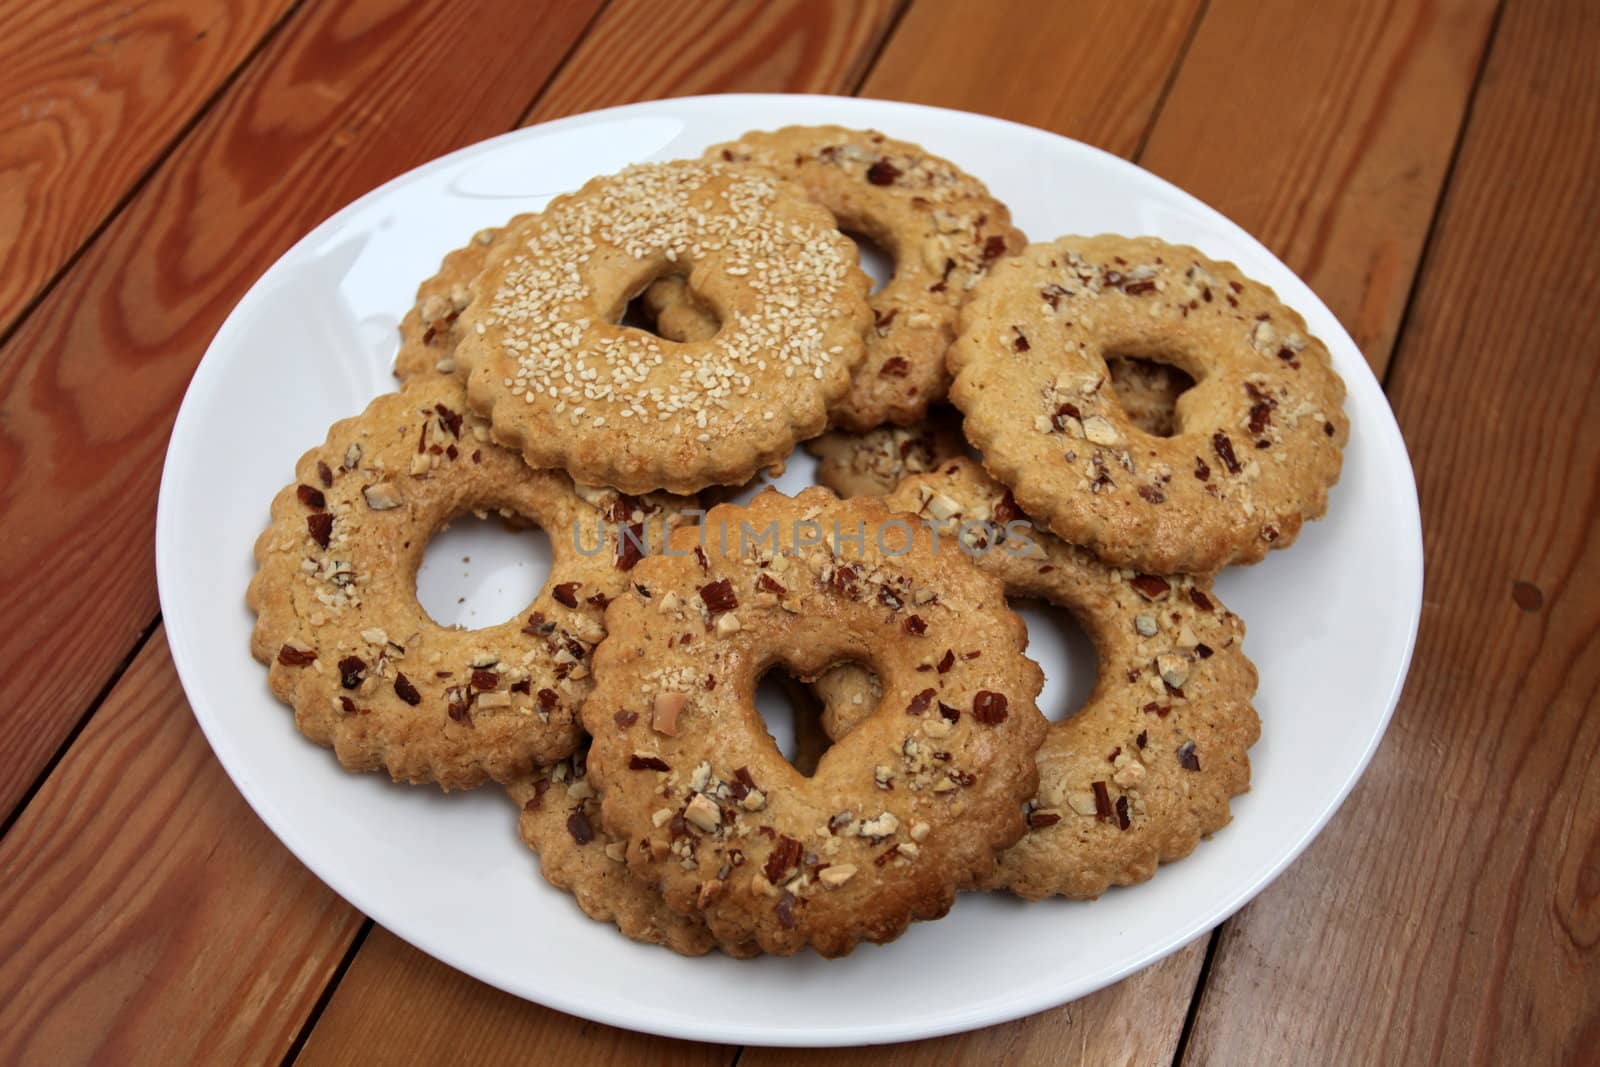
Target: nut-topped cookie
{"points": [[1258, 439], [566, 385], [348, 646], [1147, 766], [560, 820], [941, 226], [901, 814]]}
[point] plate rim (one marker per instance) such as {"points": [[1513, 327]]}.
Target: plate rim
{"points": [[1386, 435]]}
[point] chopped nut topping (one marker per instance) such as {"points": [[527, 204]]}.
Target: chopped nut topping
{"points": [[664, 716], [1100, 430], [703, 813], [382, 496], [405, 690], [836, 875], [989, 708], [1174, 669], [1150, 586]]}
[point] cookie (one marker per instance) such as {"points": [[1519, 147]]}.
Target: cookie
{"points": [[899, 815], [352, 651], [940, 224], [858, 464], [560, 820], [1148, 765], [564, 384], [428, 333], [1258, 441]]}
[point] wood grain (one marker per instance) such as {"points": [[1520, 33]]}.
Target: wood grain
{"points": [[349, 96], [146, 914], [1449, 913], [1112, 1026], [91, 94], [1326, 131], [652, 49], [397, 1005], [1093, 70]]}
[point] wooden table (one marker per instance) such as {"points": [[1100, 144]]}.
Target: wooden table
{"points": [[1428, 166]]}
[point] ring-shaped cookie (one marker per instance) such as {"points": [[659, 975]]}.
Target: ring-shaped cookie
{"points": [[1148, 765], [897, 817], [1258, 439], [561, 381], [940, 224], [352, 651], [560, 821]]}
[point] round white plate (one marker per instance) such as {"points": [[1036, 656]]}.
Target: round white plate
{"points": [[1331, 620]]}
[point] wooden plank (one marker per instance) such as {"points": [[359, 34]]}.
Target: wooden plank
{"points": [[349, 96], [1091, 70], [651, 49], [1448, 915], [1326, 130], [396, 1005], [146, 914], [92, 94]]}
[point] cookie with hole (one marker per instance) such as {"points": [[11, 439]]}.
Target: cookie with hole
{"points": [[349, 648], [1147, 767], [561, 380], [898, 817], [1258, 441]]}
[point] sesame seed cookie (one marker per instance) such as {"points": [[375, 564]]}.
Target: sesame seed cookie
{"points": [[560, 820], [562, 382], [940, 224], [1148, 765], [899, 815], [428, 333], [872, 463], [1259, 438], [352, 651]]}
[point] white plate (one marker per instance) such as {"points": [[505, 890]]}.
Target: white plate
{"points": [[1331, 621]]}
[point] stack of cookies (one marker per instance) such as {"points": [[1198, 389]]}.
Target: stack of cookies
{"points": [[1130, 417]]}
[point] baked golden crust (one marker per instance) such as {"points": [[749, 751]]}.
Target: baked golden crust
{"points": [[350, 649], [900, 815], [1148, 765], [565, 385], [1259, 436]]}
